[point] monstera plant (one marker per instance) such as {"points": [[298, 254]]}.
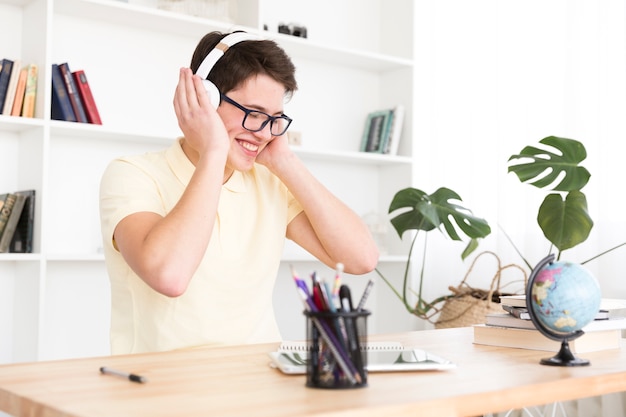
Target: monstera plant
{"points": [[563, 215], [420, 212]]}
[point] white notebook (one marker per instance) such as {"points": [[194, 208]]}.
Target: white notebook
{"points": [[291, 358]]}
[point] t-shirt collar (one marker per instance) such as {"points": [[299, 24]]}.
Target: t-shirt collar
{"points": [[183, 169]]}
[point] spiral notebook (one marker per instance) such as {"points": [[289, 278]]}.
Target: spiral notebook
{"points": [[291, 358]]}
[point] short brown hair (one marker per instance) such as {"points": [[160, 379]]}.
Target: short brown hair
{"points": [[244, 60]]}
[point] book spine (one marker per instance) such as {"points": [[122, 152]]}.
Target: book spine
{"points": [[396, 130], [22, 241], [9, 230], [10, 98], [30, 92], [72, 92], [5, 212], [84, 90], [386, 134], [5, 76], [61, 105], [16, 110]]}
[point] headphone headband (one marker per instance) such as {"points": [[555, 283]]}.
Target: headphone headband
{"points": [[220, 49]]}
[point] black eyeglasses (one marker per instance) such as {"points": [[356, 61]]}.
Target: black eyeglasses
{"points": [[255, 120]]}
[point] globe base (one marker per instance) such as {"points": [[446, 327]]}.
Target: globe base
{"points": [[565, 357]]}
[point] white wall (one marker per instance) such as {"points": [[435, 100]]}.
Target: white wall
{"points": [[495, 76]]}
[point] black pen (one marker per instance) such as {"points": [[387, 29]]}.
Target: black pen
{"points": [[132, 377], [351, 329], [366, 294]]}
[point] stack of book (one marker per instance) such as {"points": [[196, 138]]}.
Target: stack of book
{"points": [[18, 88], [72, 99], [17, 216], [383, 130], [514, 328]]}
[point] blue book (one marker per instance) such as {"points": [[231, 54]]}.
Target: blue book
{"points": [[73, 94], [61, 105], [5, 76]]}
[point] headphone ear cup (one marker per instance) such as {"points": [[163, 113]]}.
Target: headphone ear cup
{"points": [[213, 92]]}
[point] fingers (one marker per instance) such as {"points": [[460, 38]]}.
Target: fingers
{"points": [[201, 93], [187, 103]]}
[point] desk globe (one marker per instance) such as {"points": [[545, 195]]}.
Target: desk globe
{"points": [[562, 298]]}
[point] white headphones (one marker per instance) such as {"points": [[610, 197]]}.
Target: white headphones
{"points": [[220, 49]]}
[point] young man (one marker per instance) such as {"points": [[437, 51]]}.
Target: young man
{"points": [[193, 235]]}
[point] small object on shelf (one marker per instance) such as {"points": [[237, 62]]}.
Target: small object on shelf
{"points": [[294, 137], [6, 67], [395, 130], [82, 85], [61, 105], [376, 131], [7, 201], [20, 89], [72, 92], [22, 241], [11, 223], [11, 88], [30, 92], [292, 29]]}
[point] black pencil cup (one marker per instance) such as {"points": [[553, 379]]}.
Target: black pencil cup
{"points": [[337, 356]]}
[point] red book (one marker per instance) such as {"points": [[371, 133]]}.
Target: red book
{"points": [[72, 92], [85, 94]]}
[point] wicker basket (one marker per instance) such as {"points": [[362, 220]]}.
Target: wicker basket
{"points": [[469, 306]]}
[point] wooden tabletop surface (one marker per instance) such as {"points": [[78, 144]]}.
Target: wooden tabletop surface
{"points": [[237, 381]]}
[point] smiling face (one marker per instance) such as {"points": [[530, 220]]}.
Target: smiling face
{"points": [[261, 93]]}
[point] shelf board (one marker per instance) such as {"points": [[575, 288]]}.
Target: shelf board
{"points": [[19, 124], [75, 257], [304, 48], [138, 16], [20, 257], [353, 157], [101, 132], [88, 131]]}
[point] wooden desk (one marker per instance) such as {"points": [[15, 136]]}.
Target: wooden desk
{"points": [[237, 381]]}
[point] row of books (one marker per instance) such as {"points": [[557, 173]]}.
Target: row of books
{"points": [[17, 218], [514, 328], [18, 88], [383, 130], [72, 99]]}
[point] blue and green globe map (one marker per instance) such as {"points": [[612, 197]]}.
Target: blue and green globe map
{"points": [[565, 297]]}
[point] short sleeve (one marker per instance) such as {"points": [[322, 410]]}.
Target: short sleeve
{"points": [[125, 189]]}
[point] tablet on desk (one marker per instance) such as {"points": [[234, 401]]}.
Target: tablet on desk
{"points": [[294, 362]]}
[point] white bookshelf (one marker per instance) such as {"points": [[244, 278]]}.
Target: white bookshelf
{"points": [[54, 303]]}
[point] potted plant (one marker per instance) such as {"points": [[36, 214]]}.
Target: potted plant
{"points": [[563, 216], [421, 212]]}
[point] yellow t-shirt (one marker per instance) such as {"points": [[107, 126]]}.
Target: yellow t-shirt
{"points": [[229, 299]]}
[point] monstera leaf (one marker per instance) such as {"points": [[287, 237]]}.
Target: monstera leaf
{"points": [[565, 222], [427, 212], [546, 166], [419, 211]]}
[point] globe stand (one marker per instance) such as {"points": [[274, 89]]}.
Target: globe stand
{"points": [[564, 357]]}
